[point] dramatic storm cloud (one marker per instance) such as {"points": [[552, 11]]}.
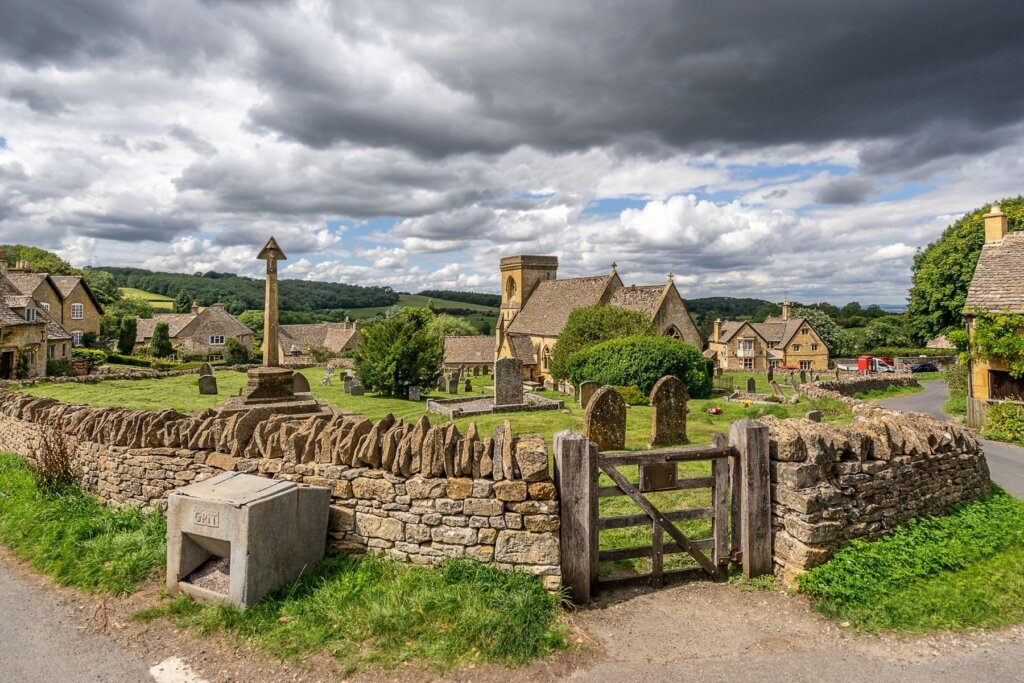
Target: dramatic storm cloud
{"points": [[750, 149]]}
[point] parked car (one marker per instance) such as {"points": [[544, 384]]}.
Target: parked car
{"points": [[923, 367]]}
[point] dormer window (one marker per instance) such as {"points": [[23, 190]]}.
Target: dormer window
{"points": [[30, 315]]}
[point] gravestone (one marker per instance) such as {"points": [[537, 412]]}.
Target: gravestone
{"points": [[358, 390], [605, 420], [718, 372], [771, 374], [817, 378], [300, 385], [205, 369], [793, 385], [468, 386], [207, 385], [751, 386], [803, 377], [508, 382], [837, 374], [587, 390], [476, 370], [813, 415], [442, 383], [668, 417], [776, 389], [414, 393], [453, 385], [549, 385], [348, 384]]}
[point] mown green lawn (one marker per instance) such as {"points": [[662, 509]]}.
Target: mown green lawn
{"points": [[964, 570]]}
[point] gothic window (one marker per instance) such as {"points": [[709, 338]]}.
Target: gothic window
{"points": [[510, 289], [673, 332]]}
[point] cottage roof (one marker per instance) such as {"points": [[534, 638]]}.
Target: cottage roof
{"points": [[469, 350], [9, 318], [547, 310], [997, 285], [176, 322], [644, 298], [28, 283], [334, 336], [66, 284], [54, 331]]}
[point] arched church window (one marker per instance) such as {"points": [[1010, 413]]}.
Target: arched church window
{"points": [[673, 332], [510, 289]]}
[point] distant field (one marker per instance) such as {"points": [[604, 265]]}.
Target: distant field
{"points": [[155, 300], [490, 314]]}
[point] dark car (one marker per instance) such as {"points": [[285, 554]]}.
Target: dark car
{"points": [[923, 367]]}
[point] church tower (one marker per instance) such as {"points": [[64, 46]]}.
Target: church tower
{"points": [[520, 276]]}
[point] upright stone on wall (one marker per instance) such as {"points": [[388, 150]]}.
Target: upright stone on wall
{"points": [[668, 415], [300, 385], [605, 419], [587, 390], [508, 382]]}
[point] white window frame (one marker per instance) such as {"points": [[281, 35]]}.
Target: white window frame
{"points": [[30, 315], [78, 311], [217, 340], [805, 365], [76, 338], [46, 306]]}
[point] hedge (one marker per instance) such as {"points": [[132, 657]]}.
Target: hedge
{"points": [[640, 362]]}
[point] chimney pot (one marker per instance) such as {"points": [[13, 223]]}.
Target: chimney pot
{"points": [[996, 224]]}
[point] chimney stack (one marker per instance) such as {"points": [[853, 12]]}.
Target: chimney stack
{"points": [[717, 332], [3, 262], [996, 224], [195, 306], [785, 309]]}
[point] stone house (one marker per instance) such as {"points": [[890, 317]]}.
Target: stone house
{"points": [[23, 332], [67, 298], [535, 307], [202, 334], [780, 343], [997, 287], [294, 341], [470, 352]]}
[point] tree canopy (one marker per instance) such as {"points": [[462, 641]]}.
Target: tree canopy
{"points": [[593, 325], [40, 260], [640, 362], [399, 352], [825, 326], [943, 270], [103, 285], [443, 325]]}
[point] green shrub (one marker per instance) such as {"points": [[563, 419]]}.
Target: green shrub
{"points": [[58, 367], [160, 344], [399, 352], [135, 361], [592, 325], [235, 352], [640, 362], [1005, 422], [94, 356], [632, 395], [956, 380]]}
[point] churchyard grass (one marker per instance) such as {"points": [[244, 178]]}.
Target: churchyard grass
{"points": [[73, 538], [376, 612], [963, 570], [180, 393]]}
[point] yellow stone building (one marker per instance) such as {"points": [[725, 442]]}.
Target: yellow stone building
{"points": [[997, 287], [779, 343], [535, 306], [67, 298]]}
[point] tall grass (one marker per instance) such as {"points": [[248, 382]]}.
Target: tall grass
{"points": [[75, 539]]}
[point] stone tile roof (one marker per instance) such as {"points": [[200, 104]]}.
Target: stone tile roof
{"points": [[66, 283], [772, 330], [176, 322], [334, 336], [54, 331], [547, 310], [475, 349], [26, 283], [998, 283], [9, 318], [644, 298], [728, 329], [522, 348]]}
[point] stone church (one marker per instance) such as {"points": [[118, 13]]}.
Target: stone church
{"points": [[535, 306]]}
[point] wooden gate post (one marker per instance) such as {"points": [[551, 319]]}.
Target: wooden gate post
{"points": [[576, 481], [750, 438]]}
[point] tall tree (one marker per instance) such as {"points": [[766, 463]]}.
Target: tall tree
{"points": [[183, 302], [126, 336], [592, 325], [103, 285], [943, 270], [399, 352], [160, 345]]}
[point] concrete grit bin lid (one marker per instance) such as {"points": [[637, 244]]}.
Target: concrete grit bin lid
{"points": [[236, 537]]}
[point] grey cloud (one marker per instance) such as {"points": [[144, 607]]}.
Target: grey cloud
{"points": [[845, 190], [128, 226], [152, 146], [114, 140], [38, 101], [193, 140]]}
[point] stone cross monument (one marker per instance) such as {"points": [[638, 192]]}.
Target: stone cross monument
{"points": [[270, 382]]}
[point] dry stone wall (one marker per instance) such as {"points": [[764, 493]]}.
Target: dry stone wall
{"points": [[835, 483], [416, 492]]}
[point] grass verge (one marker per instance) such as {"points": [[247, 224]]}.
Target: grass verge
{"points": [[376, 611], [73, 538], [963, 570], [888, 392]]}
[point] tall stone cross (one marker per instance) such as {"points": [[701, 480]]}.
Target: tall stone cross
{"points": [[271, 253]]}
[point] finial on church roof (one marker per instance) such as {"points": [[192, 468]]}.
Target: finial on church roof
{"points": [[671, 278], [614, 266]]}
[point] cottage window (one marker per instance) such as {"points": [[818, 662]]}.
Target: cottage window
{"points": [[30, 315], [46, 307], [216, 340], [814, 347], [76, 338], [51, 352], [805, 365], [804, 330], [77, 311], [64, 350], [748, 363], [796, 347]]}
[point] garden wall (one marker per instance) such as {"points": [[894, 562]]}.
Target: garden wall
{"points": [[835, 483], [416, 492]]}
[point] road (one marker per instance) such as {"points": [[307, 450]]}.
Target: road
{"points": [[1005, 462]]}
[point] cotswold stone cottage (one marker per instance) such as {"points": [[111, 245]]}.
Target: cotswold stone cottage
{"points": [[203, 334], [535, 307], [787, 343], [29, 336], [294, 341], [997, 287], [66, 298], [469, 352]]}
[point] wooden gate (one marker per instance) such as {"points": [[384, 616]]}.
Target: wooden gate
{"points": [[739, 481]]}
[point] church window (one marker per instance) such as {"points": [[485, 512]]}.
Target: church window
{"points": [[510, 289]]}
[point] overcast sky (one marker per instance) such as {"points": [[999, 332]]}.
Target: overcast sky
{"points": [[749, 148]]}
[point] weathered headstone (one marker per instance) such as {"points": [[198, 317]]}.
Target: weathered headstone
{"points": [[348, 384], [358, 390], [803, 377], [837, 374], [751, 385], [207, 385], [718, 372], [605, 420], [771, 374], [414, 393], [205, 369], [776, 389], [468, 386], [813, 415], [300, 385], [817, 378], [442, 383], [549, 384], [668, 412], [476, 370], [508, 382], [587, 390], [453, 385]]}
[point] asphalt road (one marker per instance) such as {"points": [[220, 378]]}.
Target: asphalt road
{"points": [[1005, 462]]}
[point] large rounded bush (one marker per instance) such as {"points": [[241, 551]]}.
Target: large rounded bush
{"points": [[642, 361]]}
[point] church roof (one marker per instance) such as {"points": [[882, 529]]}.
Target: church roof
{"points": [[469, 350], [643, 298], [547, 310], [997, 285]]}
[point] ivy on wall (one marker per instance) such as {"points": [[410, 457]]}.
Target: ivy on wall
{"points": [[999, 336]]}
